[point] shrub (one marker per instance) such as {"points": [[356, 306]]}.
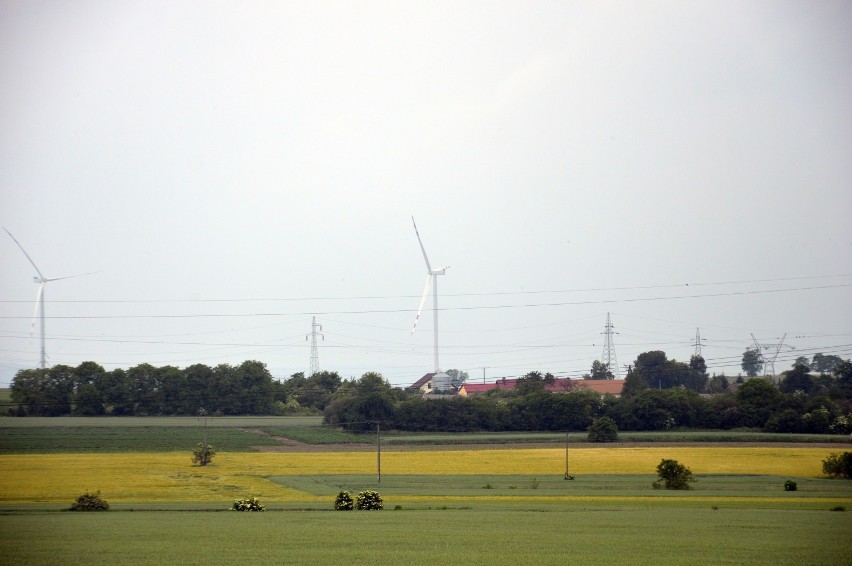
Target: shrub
{"points": [[790, 485], [203, 454], [603, 429], [838, 465], [534, 483], [369, 501], [673, 475], [344, 501], [250, 504], [89, 502]]}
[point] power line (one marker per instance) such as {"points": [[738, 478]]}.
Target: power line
{"points": [[462, 308]]}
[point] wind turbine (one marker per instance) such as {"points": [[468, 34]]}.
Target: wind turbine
{"points": [[39, 305], [431, 280]]}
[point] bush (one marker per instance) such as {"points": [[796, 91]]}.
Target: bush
{"points": [[790, 485], [203, 455], [838, 465], [673, 475], [89, 502], [369, 501], [603, 429], [250, 504], [344, 501]]}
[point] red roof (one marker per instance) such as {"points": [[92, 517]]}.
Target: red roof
{"points": [[422, 381], [600, 386]]}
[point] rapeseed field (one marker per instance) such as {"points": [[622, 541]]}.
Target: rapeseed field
{"points": [[171, 477]]}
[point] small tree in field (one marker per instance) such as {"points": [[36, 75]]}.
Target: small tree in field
{"points": [[369, 500], [203, 454], [673, 475], [89, 502], [344, 501], [603, 429], [838, 465]]}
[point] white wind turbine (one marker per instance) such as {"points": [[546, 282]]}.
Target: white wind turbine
{"points": [[431, 280], [39, 305]]}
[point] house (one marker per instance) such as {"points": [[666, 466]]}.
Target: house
{"points": [[432, 381]]}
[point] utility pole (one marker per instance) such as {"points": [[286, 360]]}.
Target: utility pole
{"points": [[314, 350], [483, 374], [608, 357], [379, 451]]}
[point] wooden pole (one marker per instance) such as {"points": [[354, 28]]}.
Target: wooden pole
{"points": [[379, 452]]}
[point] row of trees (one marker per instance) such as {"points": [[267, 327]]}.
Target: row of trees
{"points": [[658, 394], [90, 390], [824, 364], [757, 403]]}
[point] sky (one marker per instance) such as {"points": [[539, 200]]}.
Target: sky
{"points": [[229, 170]]}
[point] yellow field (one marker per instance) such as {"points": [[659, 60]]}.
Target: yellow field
{"points": [[161, 477]]}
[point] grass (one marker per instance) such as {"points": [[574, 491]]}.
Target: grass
{"points": [[558, 535], [164, 510]]}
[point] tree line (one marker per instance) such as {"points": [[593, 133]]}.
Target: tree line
{"points": [[658, 394]]}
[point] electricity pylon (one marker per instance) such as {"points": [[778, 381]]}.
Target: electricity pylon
{"points": [[314, 350], [608, 357]]}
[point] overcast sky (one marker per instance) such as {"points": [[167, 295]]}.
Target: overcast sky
{"points": [[230, 169]]}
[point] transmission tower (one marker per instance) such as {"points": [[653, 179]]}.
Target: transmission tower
{"points": [[774, 350], [697, 343], [608, 356], [316, 330]]}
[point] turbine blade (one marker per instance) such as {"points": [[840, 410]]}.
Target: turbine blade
{"points": [[70, 276], [422, 249], [26, 254], [422, 301]]}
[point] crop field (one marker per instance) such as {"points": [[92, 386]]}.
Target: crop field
{"points": [[456, 504]]}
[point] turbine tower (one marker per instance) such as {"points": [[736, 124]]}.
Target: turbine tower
{"points": [[314, 350], [39, 304], [608, 356], [431, 280]]}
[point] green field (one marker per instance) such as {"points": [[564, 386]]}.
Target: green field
{"points": [[507, 517], [557, 535], [32, 435]]}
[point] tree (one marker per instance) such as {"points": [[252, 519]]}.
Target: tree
{"points": [[717, 384], [603, 429], [838, 465], [756, 399], [203, 454], [633, 383], [28, 392], [457, 377], [89, 502], [88, 401], [752, 362], [697, 363], [600, 370], [673, 475], [824, 364], [797, 379], [533, 382]]}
